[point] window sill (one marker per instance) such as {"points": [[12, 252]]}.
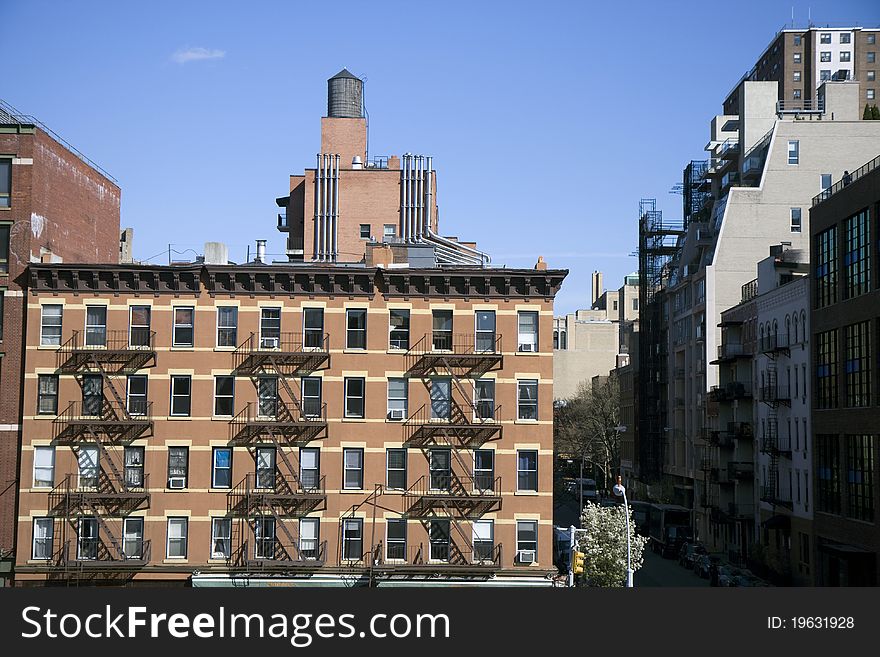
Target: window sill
{"points": [[174, 560], [49, 347], [396, 352], [355, 350], [348, 491], [355, 419], [527, 493], [46, 416], [221, 418], [214, 489], [180, 348], [528, 353], [175, 490], [230, 349], [535, 421], [178, 417]]}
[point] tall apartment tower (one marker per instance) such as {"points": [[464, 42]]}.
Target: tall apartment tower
{"points": [[55, 205], [802, 59]]}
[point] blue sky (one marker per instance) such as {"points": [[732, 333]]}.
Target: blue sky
{"points": [[547, 121]]}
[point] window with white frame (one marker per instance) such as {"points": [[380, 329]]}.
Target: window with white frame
{"points": [[134, 466], [795, 220], [177, 533], [399, 329], [869, 94], [270, 328], [133, 537], [397, 398], [96, 326], [527, 331], [92, 386], [797, 58], [527, 399], [221, 538], [313, 328], [484, 399], [796, 76], [44, 537], [227, 326], [845, 37], [441, 398], [139, 326], [353, 468], [356, 328], [50, 324], [310, 467], [484, 469], [5, 202], [825, 56], [352, 539], [871, 75], [264, 459], [440, 468], [441, 330], [264, 537], [438, 536], [311, 396], [44, 466], [825, 181], [87, 466], [485, 331], [221, 468], [182, 334], [354, 397], [47, 394], [87, 539], [395, 465], [267, 396], [309, 535], [178, 467], [527, 536], [181, 395], [224, 396], [136, 394], [484, 540], [845, 55], [389, 232], [527, 470], [395, 539], [825, 37], [794, 151]]}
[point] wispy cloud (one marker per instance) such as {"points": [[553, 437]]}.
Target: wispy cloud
{"points": [[186, 55]]}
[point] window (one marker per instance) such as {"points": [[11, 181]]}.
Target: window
{"points": [[635, 304], [527, 536], [44, 467], [869, 94], [438, 535], [485, 331], [365, 231], [845, 37], [181, 391], [221, 538], [399, 336], [354, 397], [793, 152], [267, 396], [224, 395], [845, 55], [92, 395], [96, 326], [50, 325], [871, 39], [139, 326], [858, 364], [47, 394], [797, 76], [136, 394], [795, 220], [870, 75], [4, 244], [527, 470], [264, 537], [221, 471], [182, 334], [178, 464], [860, 477], [484, 469], [796, 39], [2, 296], [227, 326], [826, 267], [356, 328], [870, 57], [527, 399], [309, 533], [397, 399], [177, 531], [395, 465], [441, 321], [311, 396], [825, 181], [310, 467], [87, 538], [353, 539], [5, 198], [441, 398], [395, 538], [484, 540], [87, 466], [828, 473], [133, 538], [44, 538], [264, 460], [528, 331], [797, 58], [389, 232], [825, 37], [484, 399], [270, 328], [825, 74], [353, 468], [313, 328], [134, 467], [440, 469], [857, 255], [825, 56], [826, 369]]}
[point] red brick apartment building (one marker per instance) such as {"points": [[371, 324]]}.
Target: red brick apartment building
{"points": [[55, 206]]}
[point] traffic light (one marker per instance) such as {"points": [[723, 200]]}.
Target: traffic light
{"points": [[577, 563]]}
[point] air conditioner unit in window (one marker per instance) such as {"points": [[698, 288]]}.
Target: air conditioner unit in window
{"points": [[525, 556], [177, 482], [526, 346], [396, 414], [268, 343]]}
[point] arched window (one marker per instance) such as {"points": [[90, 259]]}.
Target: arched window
{"points": [[563, 341], [795, 341], [803, 325], [788, 328], [556, 339]]}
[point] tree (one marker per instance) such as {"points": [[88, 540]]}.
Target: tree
{"points": [[604, 544], [586, 426], [875, 113], [868, 114]]}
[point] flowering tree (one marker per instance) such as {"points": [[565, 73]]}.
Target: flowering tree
{"points": [[604, 544]]}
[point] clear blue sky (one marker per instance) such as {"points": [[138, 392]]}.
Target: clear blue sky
{"points": [[547, 121]]}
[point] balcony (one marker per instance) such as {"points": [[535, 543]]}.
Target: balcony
{"points": [[459, 354], [286, 494], [291, 423], [803, 106], [469, 496], [773, 443], [730, 179], [278, 555], [775, 395], [111, 352], [95, 556], [749, 290], [446, 558], [96, 418], [730, 351], [466, 428], [729, 148], [112, 493], [773, 344], [285, 353]]}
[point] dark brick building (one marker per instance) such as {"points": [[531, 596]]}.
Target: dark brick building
{"points": [[55, 206]]}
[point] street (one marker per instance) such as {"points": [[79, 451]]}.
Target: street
{"points": [[658, 571]]}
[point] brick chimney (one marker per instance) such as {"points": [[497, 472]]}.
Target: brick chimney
{"points": [[541, 265]]}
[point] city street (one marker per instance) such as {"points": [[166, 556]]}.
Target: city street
{"points": [[658, 571]]}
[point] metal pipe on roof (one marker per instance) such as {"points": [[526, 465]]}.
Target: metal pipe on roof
{"points": [[336, 210], [317, 226], [429, 200], [420, 201], [325, 190]]}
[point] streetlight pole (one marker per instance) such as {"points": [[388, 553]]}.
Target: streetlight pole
{"points": [[620, 490]]}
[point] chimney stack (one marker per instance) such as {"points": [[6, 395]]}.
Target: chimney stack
{"points": [[598, 288]]}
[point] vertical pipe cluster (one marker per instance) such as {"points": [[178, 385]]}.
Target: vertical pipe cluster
{"points": [[326, 207], [414, 187]]}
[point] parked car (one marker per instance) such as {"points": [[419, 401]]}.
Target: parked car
{"points": [[726, 574], [703, 564], [689, 553], [746, 578]]}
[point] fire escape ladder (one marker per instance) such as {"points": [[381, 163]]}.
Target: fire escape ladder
{"points": [[104, 526], [294, 398], [281, 452]]}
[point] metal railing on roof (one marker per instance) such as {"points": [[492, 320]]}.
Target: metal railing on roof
{"points": [[27, 119], [805, 106], [846, 180]]}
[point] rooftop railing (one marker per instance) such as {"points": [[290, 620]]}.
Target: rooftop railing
{"points": [[846, 181]]}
